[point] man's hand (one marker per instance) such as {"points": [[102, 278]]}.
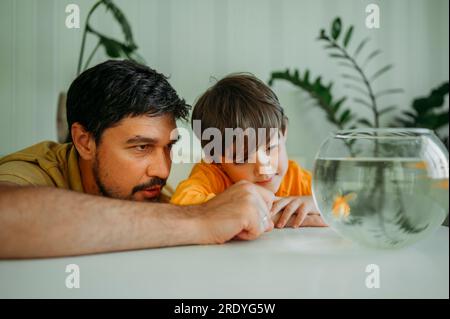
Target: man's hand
{"points": [[242, 212], [296, 211]]}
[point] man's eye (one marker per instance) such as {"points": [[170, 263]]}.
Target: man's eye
{"points": [[142, 148]]}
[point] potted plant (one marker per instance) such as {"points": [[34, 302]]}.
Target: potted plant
{"points": [[113, 49], [426, 112]]}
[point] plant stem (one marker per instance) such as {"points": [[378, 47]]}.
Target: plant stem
{"points": [[373, 100], [83, 41], [91, 55]]}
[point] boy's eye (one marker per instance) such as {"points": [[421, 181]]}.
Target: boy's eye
{"points": [[272, 147]]}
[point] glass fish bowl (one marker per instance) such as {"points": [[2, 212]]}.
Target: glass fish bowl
{"points": [[382, 188]]}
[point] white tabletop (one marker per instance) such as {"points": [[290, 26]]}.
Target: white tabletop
{"points": [[287, 263]]}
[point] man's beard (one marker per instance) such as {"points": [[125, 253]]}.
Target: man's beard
{"points": [[109, 192]]}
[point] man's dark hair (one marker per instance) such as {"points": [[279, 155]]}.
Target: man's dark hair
{"points": [[103, 95]]}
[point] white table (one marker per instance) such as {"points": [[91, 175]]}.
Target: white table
{"points": [[288, 263]]}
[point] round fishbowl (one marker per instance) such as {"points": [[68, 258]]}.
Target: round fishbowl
{"points": [[383, 188]]}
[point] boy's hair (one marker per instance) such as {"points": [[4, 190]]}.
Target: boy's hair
{"points": [[103, 95], [239, 100]]}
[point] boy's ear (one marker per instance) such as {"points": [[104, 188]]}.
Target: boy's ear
{"points": [[83, 141]]}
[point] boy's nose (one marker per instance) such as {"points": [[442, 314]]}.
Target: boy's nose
{"points": [[263, 165]]}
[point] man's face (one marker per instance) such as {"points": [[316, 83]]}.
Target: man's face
{"points": [[133, 158], [266, 167]]}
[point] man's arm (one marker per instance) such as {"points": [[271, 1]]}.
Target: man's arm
{"points": [[46, 222]]}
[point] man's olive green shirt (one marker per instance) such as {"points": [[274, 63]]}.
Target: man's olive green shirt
{"points": [[43, 164]]}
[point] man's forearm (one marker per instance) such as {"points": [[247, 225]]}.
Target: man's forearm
{"points": [[45, 222]]}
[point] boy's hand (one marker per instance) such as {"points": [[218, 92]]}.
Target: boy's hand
{"points": [[296, 211]]}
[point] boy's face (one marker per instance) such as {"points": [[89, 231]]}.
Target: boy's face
{"points": [[266, 167]]}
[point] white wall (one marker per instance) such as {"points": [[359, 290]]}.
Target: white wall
{"points": [[192, 40]]}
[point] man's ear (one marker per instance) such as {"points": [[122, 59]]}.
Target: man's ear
{"points": [[83, 141]]}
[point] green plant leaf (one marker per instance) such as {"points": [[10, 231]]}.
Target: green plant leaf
{"points": [[351, 77], [361, 46], [326, 97], [347, 65], [137, 57], [388, 91], [387, 109], [363, 102], [434, 100], [112, 47], [317, 91], [123, 22], [345, 117], [323, 35], [357, 89], [337, 55], [318, 83], [432, 121], [338, 104], [441, 120], [348, 36], [331, 46], [381, 71], [402, 122], [365, 122], [370, 57], [336, 27], [306, 76], [424, 111], [410, 114]]}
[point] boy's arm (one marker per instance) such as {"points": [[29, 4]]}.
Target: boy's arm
{"points": [[201, 186], [189, 193], [47, 222]]}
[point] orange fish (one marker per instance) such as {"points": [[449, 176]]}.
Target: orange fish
{"points": [[420, 165], [443, 184], [341, 208]]}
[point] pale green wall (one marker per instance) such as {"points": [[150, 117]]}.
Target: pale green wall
{"points": [[192, 40]]}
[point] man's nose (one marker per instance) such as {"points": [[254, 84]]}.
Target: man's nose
{"points": [[160, 166]]}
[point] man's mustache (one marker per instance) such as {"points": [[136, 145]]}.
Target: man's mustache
{"points": [[156, 181]]}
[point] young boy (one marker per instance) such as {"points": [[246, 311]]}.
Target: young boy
{"points": [[242, 101]]}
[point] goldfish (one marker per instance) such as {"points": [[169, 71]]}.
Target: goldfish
{"points": [[341, 208], [443, 184], [420, 165]]}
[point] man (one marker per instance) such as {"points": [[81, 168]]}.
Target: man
{"points": [[120, 116]]}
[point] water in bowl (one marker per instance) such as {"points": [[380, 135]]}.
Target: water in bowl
{"points": [[380, 202]]}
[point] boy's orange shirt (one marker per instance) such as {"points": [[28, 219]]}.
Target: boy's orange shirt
{"points": [[208, 180]]}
